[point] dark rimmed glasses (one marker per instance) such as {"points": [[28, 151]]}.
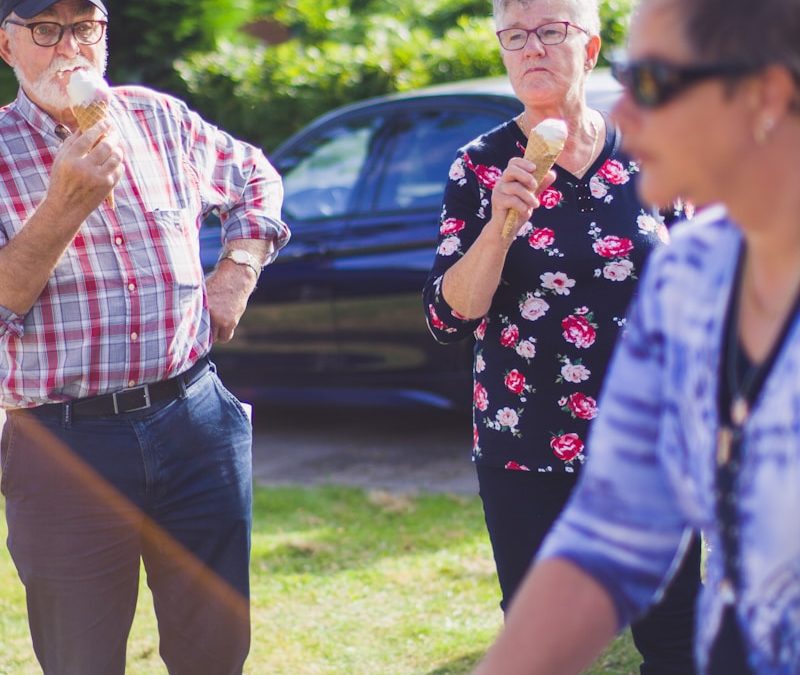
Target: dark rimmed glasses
{"points": [[49, 33], [514, 39], [652, 83]]}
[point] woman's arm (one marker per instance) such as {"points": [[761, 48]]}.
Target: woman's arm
{"points": [[559, 622], [470, 284]]}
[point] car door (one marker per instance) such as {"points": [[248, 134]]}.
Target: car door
{"points": [[287, 339], [388, 245]]}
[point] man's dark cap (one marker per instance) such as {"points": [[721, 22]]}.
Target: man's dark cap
{"points": [[27, 9]]}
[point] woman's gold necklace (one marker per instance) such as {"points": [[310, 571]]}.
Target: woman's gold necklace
{"points": [[596, 134]]}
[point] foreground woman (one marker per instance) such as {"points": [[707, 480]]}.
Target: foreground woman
{"points": [[700, 421]]}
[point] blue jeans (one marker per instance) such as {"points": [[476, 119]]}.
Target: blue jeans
{"points": [[87, 499], [520, 507]]}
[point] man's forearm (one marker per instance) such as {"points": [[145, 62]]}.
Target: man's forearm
{"points": [[560, 620], [28, 260]]}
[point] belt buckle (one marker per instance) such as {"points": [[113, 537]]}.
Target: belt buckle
{"points": [[145, 389]]}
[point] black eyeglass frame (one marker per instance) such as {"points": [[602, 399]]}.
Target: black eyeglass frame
{"points": [[61, 29], [652, 82], [567, 25]]}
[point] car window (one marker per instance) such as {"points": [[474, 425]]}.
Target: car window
{"points": [[424, 148], [320, 174]]}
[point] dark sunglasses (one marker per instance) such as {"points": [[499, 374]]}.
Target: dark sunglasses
{"points": [[651, 83]]}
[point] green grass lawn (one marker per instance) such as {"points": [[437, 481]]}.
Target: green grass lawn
{"points": [[344, 581]]}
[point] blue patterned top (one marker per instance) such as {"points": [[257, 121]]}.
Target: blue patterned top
{"points": [[651, 476]]}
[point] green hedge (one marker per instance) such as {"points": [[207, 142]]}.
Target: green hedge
{"points": [[341, 51], [348, 50]]}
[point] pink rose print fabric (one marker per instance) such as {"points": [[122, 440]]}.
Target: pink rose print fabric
{"points": [[543, 347]]}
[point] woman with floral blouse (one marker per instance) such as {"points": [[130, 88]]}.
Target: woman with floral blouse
{"points": [[546, 304]]}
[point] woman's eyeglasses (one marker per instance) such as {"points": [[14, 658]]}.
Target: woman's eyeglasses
{"points": [[652, 83], [514, 39], [49, 33]]}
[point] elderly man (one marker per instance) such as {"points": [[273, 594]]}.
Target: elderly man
{"points": [[121, 444]]}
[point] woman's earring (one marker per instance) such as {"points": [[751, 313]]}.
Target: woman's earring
{"points": [[763, 130]]}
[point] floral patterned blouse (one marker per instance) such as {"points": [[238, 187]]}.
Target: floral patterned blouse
{"points": [[543, 348]]}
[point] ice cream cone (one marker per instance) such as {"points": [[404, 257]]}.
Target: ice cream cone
{"points": [[87, 116], [89, 95], [545, 143]]}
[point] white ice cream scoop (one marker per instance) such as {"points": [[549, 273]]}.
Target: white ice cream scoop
{"points": [[85, 87], [553, 131]]}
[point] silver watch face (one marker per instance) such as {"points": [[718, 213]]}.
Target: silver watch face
{"points": [[241, 257]]}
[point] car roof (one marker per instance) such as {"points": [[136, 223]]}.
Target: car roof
{"points": [[602, 91], [599, 84]]}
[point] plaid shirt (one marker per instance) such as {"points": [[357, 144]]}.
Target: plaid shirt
{"points": [[651, 475], [126, 303]]}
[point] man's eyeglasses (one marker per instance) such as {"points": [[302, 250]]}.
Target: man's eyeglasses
{"points": [[49, 33], [514, 39], [652, 83]]}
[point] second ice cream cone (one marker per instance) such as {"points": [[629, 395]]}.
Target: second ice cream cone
{"points": [[545, 143]]}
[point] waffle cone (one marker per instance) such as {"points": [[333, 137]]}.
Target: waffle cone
{"points": [[87, 116], [543, 155]]}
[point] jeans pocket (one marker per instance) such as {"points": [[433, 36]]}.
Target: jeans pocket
{"points": [[228, 395]]}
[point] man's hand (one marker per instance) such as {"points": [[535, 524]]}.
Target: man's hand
{"points": [[86, 168], [228, 287]]}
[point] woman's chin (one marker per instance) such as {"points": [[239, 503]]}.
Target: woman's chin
{"points": [[654, 190]]}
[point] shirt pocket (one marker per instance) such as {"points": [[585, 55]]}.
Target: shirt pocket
{"points": [[173, 235]]}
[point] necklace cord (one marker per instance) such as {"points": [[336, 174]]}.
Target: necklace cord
{"points": [[522, 119]]}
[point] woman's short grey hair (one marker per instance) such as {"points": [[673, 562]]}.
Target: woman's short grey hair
{"points": [[743, 32], [585, 13]]}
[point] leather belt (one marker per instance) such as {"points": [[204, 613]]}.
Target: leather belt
{"points": [[129, 400]]}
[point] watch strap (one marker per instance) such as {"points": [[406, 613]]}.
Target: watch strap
{"points": [[245, 258]]}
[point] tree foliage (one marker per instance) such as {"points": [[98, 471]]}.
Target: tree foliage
{"points": [[340, 51]]}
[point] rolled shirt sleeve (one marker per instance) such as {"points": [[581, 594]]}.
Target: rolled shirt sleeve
{"points": [[237, 180], [11, 323]]}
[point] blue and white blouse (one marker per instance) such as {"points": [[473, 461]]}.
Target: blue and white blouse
{"points": [[651, 477]]}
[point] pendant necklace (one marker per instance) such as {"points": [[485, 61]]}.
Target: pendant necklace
{"points": [[596, 133], [740, 384]]}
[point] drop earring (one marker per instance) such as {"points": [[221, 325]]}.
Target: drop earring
{"points": [[763, 130]]}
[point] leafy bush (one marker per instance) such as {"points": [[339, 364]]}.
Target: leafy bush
{"points": [[147, 36], [340, 51], [348, 50], [243, 86]]}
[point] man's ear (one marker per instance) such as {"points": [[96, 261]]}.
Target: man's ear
{"points": [[5, 48]]}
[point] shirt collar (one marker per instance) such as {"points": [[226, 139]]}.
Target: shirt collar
{"points": [[36, 117]]}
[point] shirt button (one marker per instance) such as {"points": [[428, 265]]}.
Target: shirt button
{"points": [[131, 383], [134, 336], [131, 287], [118, 241]]}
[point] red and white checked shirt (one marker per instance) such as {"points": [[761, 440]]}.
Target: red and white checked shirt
{"points": [[126, 304]]}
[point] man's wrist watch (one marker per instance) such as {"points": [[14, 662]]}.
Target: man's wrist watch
{"points": [[242, 257]]}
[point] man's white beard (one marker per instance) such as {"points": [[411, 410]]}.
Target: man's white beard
{"points": [[46, 91]]}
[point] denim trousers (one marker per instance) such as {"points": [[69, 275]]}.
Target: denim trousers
{"points": [[88, 498], [520, 507]]}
